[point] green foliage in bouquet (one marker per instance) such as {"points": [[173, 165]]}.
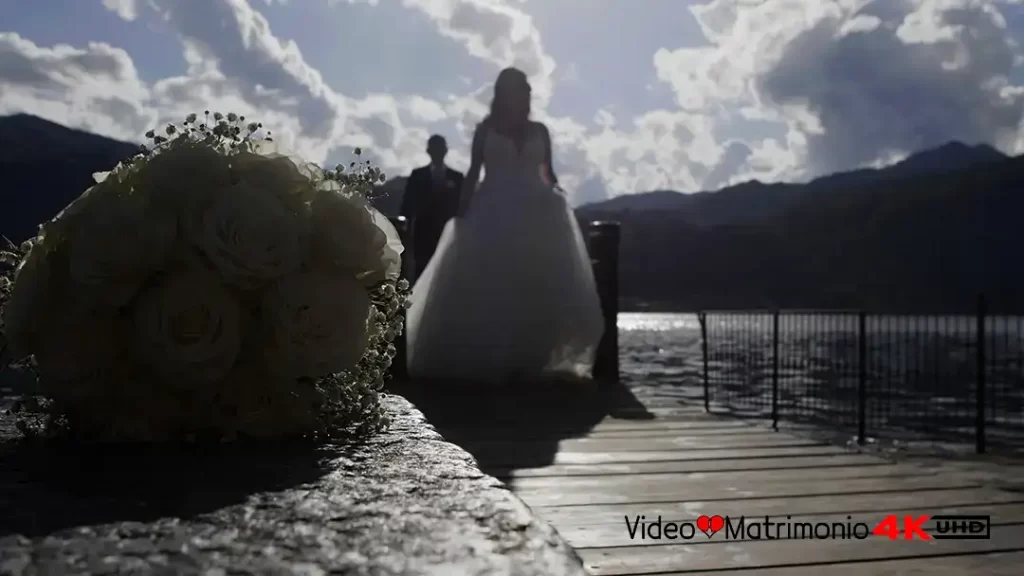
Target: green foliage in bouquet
{"points": [[210, 287]]}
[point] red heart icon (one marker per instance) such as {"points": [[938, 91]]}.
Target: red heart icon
{"points": [[704, 524], [717, 523], [709, 525]]}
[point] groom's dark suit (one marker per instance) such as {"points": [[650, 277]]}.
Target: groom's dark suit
{"points": [[431, 199]]}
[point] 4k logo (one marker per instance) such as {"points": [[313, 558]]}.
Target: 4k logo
{"points": [[947, 527]]}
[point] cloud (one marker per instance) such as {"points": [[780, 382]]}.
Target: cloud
{"points": [[496, 31], [127, 9], [852, 81], [239, 40], [780, 89], [96, 87], [234, 63]]}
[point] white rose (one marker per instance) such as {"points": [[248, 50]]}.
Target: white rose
{"points": [[114, 243], [77, 351], [30, 305], [183, 176], [317, 323], [188, 327], [392, 253], [352, 236], [57, 229], [255, 405], [269, 166], [256, 229]]}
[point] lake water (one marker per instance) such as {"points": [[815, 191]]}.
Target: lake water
{"points": [[920, 372]]}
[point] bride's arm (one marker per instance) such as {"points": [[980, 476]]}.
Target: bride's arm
{"points": [[549, 165], [473, 174]]}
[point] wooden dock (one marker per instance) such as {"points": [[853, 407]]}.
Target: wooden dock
{"points": [[679, 463]]}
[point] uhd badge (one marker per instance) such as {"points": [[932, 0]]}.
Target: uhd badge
{"points": [[957, 527]]}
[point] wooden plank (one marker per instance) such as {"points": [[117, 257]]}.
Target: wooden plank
{"points": [[684, 442], [583, 490], [739, 489], [697, 421], [798, 500], [626, 532], [650, 483], [669, 432], [513, 454], [992, 564], [638, 434], [657, 444], [682, 423], [660, 412], [614, 428], [783, 553], [845, 461], [681, 462], [660, 483]]}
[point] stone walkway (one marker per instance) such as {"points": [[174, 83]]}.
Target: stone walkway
{"points": [[406, 502]]}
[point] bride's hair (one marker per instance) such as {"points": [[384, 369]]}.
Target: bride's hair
{"points": [[511, 85]]}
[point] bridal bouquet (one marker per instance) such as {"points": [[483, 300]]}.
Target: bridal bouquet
{"points": [[211, 286]]}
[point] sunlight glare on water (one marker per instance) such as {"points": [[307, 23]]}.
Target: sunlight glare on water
{"points": [[631, 321], [660, 354]]}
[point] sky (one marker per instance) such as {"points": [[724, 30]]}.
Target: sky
{"points": [[639, 95]]}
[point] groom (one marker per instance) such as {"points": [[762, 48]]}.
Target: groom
{"points": [[431, 199]]}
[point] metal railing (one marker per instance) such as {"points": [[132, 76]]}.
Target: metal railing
{"points": [[935, 378]]}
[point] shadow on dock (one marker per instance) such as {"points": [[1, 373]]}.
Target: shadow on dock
{"points": [[518, 426]]}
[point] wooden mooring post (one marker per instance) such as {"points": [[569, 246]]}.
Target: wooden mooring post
{"points": [[603, 245], [398, 365], [980, 366]]}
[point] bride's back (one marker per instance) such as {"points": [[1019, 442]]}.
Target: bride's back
{"points": [[504, 160]]}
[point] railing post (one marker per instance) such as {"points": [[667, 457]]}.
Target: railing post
{"points": [[775, 370], [702, 317], [862, 377], [603, 244], [979, 386], [398, 365]]}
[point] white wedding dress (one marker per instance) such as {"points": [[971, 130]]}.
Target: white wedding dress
{"points": [[509, 293]]}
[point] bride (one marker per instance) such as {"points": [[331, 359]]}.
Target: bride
{"points": [[509, 293]]}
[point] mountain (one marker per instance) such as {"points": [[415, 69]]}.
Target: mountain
{"points": [[927, 234], [752, 202], [388, 196], [925, 243], [44, 166]]}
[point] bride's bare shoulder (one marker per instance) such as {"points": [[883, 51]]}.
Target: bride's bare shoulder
{"points": [[540, 129], [482, 128]]}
